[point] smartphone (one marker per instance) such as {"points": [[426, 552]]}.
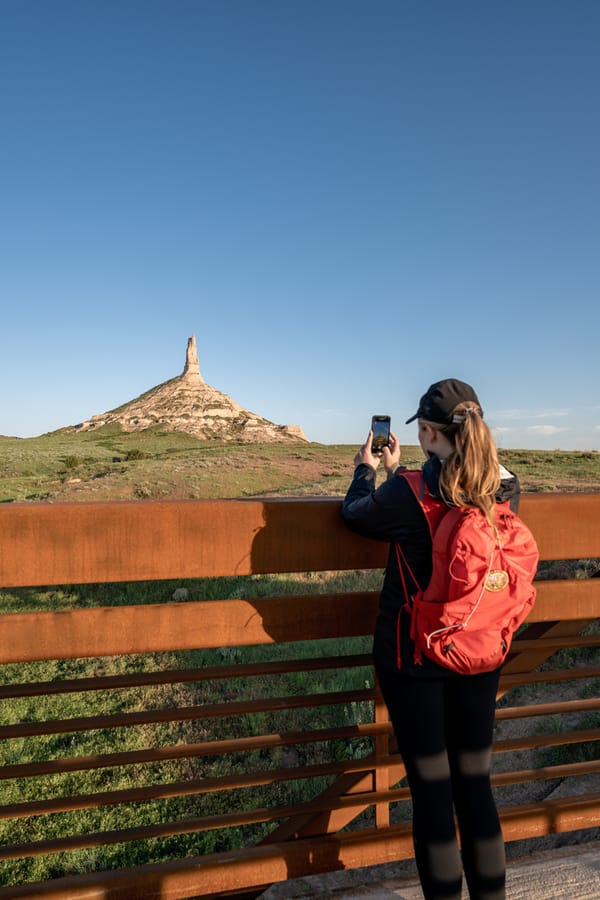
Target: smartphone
{"points": [[380, 426]]}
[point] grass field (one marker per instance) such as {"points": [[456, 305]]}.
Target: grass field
{"points": [[111, 465]]}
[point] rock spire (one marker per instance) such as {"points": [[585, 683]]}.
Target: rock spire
{"points": [[191, 370]]}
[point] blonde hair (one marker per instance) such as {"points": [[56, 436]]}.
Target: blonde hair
{"points": [[470, 475]]}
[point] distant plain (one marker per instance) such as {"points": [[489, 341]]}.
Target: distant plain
{"points": [[155, 465]]}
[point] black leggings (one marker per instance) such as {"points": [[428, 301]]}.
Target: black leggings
{"points": [[444, 728]]}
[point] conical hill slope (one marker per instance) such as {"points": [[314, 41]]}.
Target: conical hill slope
{"points": [[187, 404]]}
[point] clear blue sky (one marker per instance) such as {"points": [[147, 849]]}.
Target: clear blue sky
{"points": [[344, 200]]}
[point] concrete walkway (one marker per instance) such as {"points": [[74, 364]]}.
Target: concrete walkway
{"points": [[568, 873]]}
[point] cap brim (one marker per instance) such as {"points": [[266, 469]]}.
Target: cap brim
{"points": [[412, 419]]}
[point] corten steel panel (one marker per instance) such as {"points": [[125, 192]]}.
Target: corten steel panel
{"points": [[109, 631], [76, 543], [566, 600], [566, 526], [115, 630], [239, 870]]}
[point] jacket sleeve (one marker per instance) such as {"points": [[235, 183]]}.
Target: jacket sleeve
{"points": [[390, 512]]}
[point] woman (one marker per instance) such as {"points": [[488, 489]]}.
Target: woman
{"points": [[443, 721]]}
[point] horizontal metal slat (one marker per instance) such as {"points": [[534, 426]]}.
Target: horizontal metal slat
{"points": [[183, 751], [184, 714], [181, 676], [266, 864], [184, 788], [546, 740]]}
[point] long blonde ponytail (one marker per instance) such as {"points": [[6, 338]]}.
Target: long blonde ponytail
{"points": [[470, 475]]}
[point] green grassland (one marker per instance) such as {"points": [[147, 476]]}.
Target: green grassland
{"points": [[112, 465]]}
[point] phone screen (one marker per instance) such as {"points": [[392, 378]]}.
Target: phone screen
{"points": [[380, 426]]}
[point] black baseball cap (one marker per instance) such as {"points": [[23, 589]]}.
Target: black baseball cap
{"points": [[441, 398]]}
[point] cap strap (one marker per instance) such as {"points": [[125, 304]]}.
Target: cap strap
{"points": [[457, 418]]}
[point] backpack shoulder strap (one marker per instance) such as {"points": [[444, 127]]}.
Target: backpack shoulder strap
{"points": [[434, 509]]}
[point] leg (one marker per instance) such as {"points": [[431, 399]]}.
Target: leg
{"points": [[416, 707], [469, 708]]}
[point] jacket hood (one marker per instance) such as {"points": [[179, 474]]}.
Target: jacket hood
{"points": [[509, 485]]}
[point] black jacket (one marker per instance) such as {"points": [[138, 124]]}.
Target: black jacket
{"points": [[392, 513]]}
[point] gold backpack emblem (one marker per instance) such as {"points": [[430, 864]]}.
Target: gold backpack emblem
{"points": [[496, 580]]}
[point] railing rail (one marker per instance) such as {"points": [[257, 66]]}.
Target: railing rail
{"points": [[177, 744]]}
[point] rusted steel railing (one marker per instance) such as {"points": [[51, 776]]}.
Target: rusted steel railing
{"points": [[203, 760]]}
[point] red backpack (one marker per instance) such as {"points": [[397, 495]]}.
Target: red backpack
{"points": [[480, 589]]}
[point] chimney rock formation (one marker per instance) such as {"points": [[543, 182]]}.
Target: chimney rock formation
{"points": [[191, 370], [187, 404]]}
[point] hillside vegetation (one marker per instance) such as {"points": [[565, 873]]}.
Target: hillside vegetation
{"points": [[169, 465]]}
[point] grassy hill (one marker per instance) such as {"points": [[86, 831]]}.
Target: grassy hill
{"points": [[113, 465]]}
